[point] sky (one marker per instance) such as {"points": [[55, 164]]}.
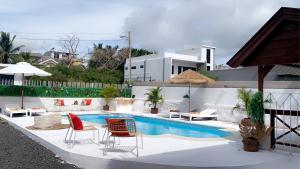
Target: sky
{"points": [[159, 25]]}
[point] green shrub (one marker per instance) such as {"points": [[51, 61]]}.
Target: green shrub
{"points": [[154, 96], [62, 73], [109, 93], [56, 91]]}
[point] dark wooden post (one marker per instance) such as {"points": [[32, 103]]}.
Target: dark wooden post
{"points": [[262, 72], [272, 124]]}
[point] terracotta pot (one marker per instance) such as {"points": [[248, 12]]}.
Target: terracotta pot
{"points": [[154, 110], [250, 144], [106, 107], [246, 122]]}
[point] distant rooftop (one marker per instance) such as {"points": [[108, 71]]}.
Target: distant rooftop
{"points": [[278, 73]]}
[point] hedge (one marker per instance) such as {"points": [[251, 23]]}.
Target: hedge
{"points": [[40, 91]]}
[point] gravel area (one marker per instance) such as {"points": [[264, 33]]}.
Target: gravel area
{"points": [[17, 151]]}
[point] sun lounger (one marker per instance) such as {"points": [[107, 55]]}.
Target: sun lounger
{"points": [[14, 109], [173, 114], [36, 110], [207, 113]]}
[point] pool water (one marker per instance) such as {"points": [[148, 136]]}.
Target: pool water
{"points": [[154, 126]]}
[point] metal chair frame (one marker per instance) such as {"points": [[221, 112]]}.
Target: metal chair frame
{"points": [[71, 130], [121, 127]]}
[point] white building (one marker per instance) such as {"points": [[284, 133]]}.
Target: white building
{"points": [[162, 66]]}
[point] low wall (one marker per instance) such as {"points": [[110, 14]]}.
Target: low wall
{"points": [[48, 103]]}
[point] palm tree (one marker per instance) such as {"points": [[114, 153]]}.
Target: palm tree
{"points": [[245, 97], [6, 47], [22, 57]]}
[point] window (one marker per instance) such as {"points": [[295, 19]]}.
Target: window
{"points": [[172, 69], [141, 66], [186, 68], [133, 67], [56, 56], [208, 55], [179, 69], [126, 68], [208, 68]]}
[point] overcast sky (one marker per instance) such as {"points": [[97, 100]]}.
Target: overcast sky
{"points": [[161, 25]]}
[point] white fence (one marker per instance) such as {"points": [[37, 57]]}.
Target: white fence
{"points": [[61, 84]]}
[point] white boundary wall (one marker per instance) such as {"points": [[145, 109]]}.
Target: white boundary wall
{"points": [[222, 99], [48, 103]]}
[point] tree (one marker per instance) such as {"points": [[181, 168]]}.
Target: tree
{"points": [[22, 57], [70, 45], [107, 57], [7, 47], [140, 52], [61, 72]]}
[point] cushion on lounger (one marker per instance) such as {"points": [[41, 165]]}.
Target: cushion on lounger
{"points": [[88, 102], [61, 102], [13, 109], [77, 123], [208, 112]]}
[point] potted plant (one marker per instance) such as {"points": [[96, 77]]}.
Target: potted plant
{"points": [[253, 131], [245, 97], [108, 93], [154, 97]]}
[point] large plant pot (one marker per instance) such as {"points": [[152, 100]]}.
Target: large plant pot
{"points": [[251, 144], [106, 107], [154, 110], [246, 122]]}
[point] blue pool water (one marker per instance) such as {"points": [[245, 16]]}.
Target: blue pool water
{"points": [[153, 126]]}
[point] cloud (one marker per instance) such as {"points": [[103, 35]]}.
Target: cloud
{"points": [[89, 19], [177, 24], [161, 25]]}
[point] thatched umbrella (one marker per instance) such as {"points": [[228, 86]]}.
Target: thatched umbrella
{"points": [[191, 77]]}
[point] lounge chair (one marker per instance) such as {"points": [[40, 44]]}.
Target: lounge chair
{"points": [[121, 128], [207, 113], [175, 114], [12, 109], [76, 126], [35, 109]]}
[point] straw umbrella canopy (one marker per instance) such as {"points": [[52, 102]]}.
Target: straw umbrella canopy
{"points": [[191, 77], [23, 69]]}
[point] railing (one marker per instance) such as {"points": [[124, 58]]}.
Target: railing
{"points": [[35, 83], [284, 110], [139, 77]]}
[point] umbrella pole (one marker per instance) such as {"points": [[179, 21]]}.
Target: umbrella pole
{"points": [[22, 92], [189, 97]]}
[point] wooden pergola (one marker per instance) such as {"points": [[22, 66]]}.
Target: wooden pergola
{"points": [[276, 43]]}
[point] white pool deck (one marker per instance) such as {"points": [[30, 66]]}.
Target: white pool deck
{"points": [[164, 151]]}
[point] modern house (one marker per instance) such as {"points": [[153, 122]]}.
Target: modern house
{"points": [[163, 66], [53, 57]]}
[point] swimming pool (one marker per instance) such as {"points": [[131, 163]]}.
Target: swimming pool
{"points": [[154, 126]]}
